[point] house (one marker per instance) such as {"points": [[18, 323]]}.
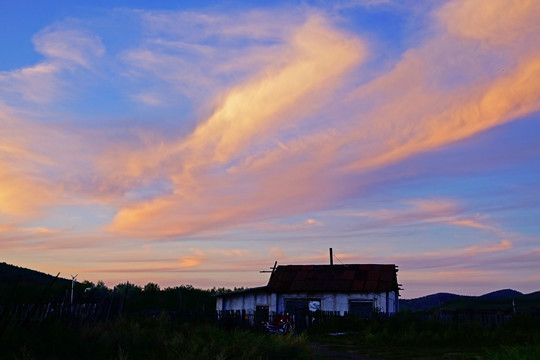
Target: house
{"points": [[361, 289]]}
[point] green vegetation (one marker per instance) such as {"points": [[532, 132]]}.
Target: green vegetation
{"points": [[147, 339], [407, 335], [522, 352]]}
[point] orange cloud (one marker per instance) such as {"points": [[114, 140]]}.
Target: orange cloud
{"points": [[494, 22], [478, 249], [504, 99], [22, 189], [190, 261], [238, 165], [317, 58]]}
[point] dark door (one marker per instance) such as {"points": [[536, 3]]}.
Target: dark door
{"points": [[261, 314]]}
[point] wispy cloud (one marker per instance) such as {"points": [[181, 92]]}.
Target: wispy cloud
{"points": [[242, 143], [479, 249], [260, 123], [65, 49], [250, 113], [68, 45]]}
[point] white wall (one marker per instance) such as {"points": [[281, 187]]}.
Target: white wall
{"points": [[385, 302], [340, 301]]}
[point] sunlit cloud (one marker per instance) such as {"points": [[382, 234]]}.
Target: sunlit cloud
{"points": [[208, 143], [22, 190], [254, 113], [477, 249], [65, 48], [494, 23], [250, 113], [273, 227]]}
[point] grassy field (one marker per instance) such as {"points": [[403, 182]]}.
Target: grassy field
{"points": [[406, 336], [147, 339]]}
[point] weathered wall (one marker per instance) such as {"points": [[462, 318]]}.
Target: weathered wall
{"points": [[340, 301], [385, 302]]}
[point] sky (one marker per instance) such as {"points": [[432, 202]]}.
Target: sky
{"points": [[198, 142]]}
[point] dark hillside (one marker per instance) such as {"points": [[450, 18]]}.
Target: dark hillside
{"points": [[11, 274], [502, 301], [506, 293], [426, 303], [24, 285]]}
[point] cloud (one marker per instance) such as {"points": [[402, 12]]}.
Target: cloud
{"points": [[272, 227], [38, 83], [65, 49], [241, 165], [346, 4], [65, 44], [22, 189], [476, 249], [251, 113], [494, 23], [298, 121], [196, 54]]}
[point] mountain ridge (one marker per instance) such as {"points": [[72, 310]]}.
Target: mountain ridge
{"points": [[502, 300]]}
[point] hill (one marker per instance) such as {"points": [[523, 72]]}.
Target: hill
{"points": [[505, 300], [426, 302], [11, 274], [24, 285]]}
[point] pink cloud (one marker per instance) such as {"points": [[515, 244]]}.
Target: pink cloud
{"points": [[494, 23], [236, 167], [478, 249], [250, 113]]}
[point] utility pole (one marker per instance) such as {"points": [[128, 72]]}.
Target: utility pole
{"points": [[73, 280]]}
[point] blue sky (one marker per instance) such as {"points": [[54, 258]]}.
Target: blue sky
{"points": [[182, 143]]}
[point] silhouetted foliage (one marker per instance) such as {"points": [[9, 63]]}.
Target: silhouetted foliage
{"points": [[146, 339]]}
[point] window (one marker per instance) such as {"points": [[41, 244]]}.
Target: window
{"points": [[362, 308], [294, 305]]}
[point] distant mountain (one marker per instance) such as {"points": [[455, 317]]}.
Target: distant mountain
{"points": [[501, 300], [506, 293], [426, 302]]}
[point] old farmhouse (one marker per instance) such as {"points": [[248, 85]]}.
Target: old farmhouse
{"points": [[303, 289]]}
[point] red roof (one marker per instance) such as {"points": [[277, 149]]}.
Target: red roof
{"points": [[363, 278]]}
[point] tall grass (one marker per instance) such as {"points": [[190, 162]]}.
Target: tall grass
{"points": [[520, 352], [147, 339], [409, 334]]}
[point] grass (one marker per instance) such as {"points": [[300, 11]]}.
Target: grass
{"points": [[147, 339], [520, 352], [407, 336]]}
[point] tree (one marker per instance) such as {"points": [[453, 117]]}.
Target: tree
{"points": [[151, 287]]}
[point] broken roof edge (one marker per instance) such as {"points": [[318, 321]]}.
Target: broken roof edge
{"points": [[248, 290]]}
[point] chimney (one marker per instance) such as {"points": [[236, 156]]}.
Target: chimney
{"points": [[331, 257]]}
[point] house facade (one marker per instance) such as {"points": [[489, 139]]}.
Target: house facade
{"points": [[361, 289]]}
